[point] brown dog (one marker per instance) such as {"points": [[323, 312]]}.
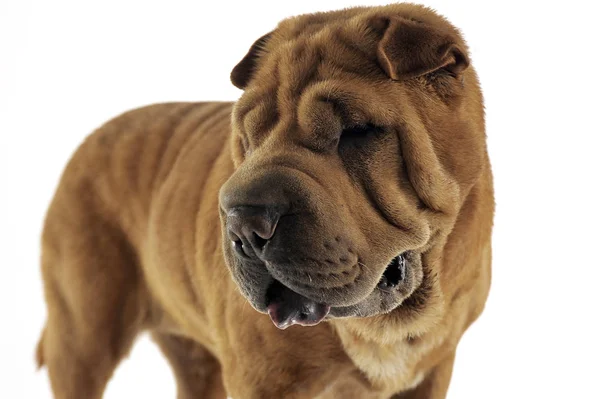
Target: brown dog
{"points": [[353, 186]]}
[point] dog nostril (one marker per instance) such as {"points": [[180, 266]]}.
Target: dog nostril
{"points": [[238, 246], [253, 225], [259, 241]]}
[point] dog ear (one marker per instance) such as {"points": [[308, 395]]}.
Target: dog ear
{"points": [[243, 71], [409, 49]]}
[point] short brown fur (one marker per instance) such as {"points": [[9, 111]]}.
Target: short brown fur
{"points": [[132, 240]]}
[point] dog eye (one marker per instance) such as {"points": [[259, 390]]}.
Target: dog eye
{"points": [[360, 134]]}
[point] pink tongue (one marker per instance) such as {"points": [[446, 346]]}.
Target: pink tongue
{"points": [[288, 308]]}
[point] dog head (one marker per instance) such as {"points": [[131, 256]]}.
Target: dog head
{"points": [[355, 140]]}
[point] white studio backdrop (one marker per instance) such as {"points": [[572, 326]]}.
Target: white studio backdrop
{"points": [[67, 67]]}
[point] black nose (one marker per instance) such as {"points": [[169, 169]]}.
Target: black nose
{"points": [[251, 227]]}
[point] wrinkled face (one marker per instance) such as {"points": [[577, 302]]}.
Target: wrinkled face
{"points": [[344, 166]]}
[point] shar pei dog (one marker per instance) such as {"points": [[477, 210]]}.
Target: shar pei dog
{"points": [[325, 236]]}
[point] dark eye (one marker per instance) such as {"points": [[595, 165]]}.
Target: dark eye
{"points": [[359, 135]]}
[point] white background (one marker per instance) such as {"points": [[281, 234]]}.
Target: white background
{"points": [[66, 67]]}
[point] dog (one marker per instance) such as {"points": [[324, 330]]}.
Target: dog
{"points": [[328, 235]]}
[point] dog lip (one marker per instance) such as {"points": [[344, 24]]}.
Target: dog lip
{"points": [[286, 307], [312, 318]]}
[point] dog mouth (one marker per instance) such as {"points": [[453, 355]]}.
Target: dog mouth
{"points": [[286, 307], [394, 274]]}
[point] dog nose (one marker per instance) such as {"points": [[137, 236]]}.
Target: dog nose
{"points": [[251, 227]]}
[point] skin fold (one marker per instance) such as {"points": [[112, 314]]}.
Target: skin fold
{"points": [[359, 139]]}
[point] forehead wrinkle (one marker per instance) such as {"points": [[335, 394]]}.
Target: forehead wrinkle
{"points": [[262, 116], [347, 54], [319, 52], [355, 101], [298, 62]]}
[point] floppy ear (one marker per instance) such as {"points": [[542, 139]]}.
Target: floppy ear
{"points": [[243, 71], [409, 49]]}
